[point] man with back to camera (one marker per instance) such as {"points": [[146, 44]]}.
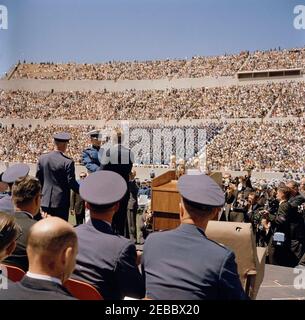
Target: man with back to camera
{"points": [[52, 248], [106, 260], [183, 264], [119, 159], [56, 173], [10, 175], [26, 193]]}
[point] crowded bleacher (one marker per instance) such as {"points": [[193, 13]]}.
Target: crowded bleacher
{"points": [[242, 101], [197, 66]]}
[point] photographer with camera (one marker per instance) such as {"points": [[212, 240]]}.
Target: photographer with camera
{"points": [[287, 226]]}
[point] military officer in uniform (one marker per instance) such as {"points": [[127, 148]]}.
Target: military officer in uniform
{"points": [[183, 264], [9, 176], [56, 173], [106, 260], [90, 156]]}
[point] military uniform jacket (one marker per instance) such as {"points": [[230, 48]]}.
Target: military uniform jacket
{"points": [[56, 173], [107, 261], [6, 204], [90, 159], [182, 264]]}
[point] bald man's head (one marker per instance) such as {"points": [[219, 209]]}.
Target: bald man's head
{"points": [[52, 248]]}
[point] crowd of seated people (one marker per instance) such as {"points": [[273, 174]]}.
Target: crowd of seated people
{"points": [[290, 102], [197, 66], [225, 65], [269, 146], [243, 101], [26, 143], [275, 59]]}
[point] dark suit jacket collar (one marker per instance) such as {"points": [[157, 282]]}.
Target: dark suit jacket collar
{"points": [[100, 226], [23, 214], [191, 228], [43, 285]]}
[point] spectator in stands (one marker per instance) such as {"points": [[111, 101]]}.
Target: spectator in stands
{"points": [[52, 248], [106, 260], [26, 194], [175, 262]]}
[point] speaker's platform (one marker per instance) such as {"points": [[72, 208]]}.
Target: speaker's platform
{"points": [[278, 284]]}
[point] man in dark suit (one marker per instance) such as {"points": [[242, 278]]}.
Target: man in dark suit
{"points": [[52, 248], [183, 264], [296, 199], [119, 159], [287, 244], [26, 194], [10, 175], [77, 204], [132, 207], [106, 260], [56, 173]]}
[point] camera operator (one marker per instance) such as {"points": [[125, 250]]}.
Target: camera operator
{"points": [[287, 242]]}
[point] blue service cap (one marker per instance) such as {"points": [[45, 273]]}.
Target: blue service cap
{"points": [[201, 189], [62, 136], [103, 188], [15, 172]]}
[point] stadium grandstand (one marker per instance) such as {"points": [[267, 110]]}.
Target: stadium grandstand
{"points": [[268, 107]]}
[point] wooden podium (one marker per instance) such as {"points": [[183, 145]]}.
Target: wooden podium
{"points": [[165, 201]]}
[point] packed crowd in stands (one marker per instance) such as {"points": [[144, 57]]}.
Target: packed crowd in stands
{"points": [[274, 146], [24, 144], [291, 101], [154, 144], [245, 101], [226, 65], [275, 59], [198, 66]]}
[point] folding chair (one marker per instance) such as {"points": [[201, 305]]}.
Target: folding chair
{"points": [[14, 274], [82, 290]]}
